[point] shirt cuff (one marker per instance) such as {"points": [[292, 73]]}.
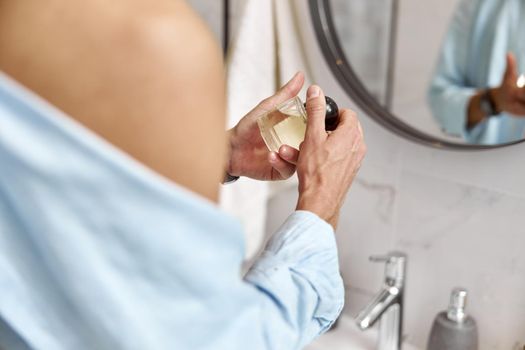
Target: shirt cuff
{"points": [[306, 245], [449, 105]]}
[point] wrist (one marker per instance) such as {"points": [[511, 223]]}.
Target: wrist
{"points": [[230, 169], [229, 179], [229, 174], [496, 96], [319, 206]]}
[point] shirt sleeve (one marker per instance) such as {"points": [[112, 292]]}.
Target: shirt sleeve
{"points": [[449, 92], [298, 280]]}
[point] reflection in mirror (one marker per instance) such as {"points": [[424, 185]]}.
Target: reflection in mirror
{"points": [[475, 92], [449, 68], [371, 61]]}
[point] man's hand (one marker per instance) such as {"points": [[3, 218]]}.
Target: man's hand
{"points": [[249, 155], [328, 162], [509, 97]]}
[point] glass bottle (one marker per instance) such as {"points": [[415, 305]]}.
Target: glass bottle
{"points": [[286, 123]]}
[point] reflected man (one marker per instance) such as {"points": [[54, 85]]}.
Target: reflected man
{"points": [[476, 92]]}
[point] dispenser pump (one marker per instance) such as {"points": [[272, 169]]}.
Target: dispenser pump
{"points": [[456, 306], [453, 329]]}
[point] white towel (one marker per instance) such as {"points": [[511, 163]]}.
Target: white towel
{"points": [[251, 77], [264, 53]]}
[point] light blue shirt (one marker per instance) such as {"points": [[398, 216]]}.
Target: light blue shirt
{"points": [[98, 252], [473, 58]]}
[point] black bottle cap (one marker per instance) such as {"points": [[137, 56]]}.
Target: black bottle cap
{"points": [[331, 118], [332, 114]]}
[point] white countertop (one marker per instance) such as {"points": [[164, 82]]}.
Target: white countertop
{"points": [[348, 337]]}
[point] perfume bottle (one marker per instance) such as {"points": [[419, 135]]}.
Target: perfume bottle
{"points": [[286, 123]]}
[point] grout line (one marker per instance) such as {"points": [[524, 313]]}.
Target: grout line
{"points": [[464, 183]]}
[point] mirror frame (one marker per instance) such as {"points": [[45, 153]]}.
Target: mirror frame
{"points": [[334, 55]]}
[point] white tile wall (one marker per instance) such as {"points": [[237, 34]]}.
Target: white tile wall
{"points": [[374, 196], [462, 235]]}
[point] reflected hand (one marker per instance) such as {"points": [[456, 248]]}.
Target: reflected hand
{"points": [[509, 97], [328, 162], [249, 155]]}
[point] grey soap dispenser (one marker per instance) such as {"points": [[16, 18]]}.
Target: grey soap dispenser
{"points": [[454, 329]]}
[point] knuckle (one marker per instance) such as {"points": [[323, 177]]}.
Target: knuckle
{"points": [[267, 103], [364, 148], [315, 108], [350, 112], [361, 136], [348, 120], [350, 115], [287, 90]]}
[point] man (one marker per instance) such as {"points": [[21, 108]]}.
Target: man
{"points": [[474, 93], [99, 252]]}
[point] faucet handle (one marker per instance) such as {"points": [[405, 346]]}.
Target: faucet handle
{"points": [[395, 264], [379, 258]]}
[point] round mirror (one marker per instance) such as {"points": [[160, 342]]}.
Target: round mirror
{"points": [[445, 73]]}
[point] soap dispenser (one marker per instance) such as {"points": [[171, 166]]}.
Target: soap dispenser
{"points": [[454, 329]]}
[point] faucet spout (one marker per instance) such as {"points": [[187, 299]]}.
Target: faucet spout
{"points": [[377, 307], [387, 305]]}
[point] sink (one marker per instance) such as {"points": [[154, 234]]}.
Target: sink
{"points": [[347, 336]]}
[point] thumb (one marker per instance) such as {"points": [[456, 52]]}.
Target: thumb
{"points": [[511, 72], [286, 92], [316, 111]]}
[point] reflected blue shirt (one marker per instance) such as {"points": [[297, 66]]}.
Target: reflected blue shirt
{"points": [[98, 252], [473, 58]]}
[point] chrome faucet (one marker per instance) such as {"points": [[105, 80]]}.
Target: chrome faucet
{"points": [[387, 305]]}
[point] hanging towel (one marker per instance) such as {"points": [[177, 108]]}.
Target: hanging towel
{"points": [[251, 77], [265, 53]]}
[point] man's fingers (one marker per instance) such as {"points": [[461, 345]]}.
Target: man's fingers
{"points": [[349, 129], [316, 111], [281, 168], [286, 92], [348, 120], [289, 154], [520, 95], [511, 71], [518, 108]]}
